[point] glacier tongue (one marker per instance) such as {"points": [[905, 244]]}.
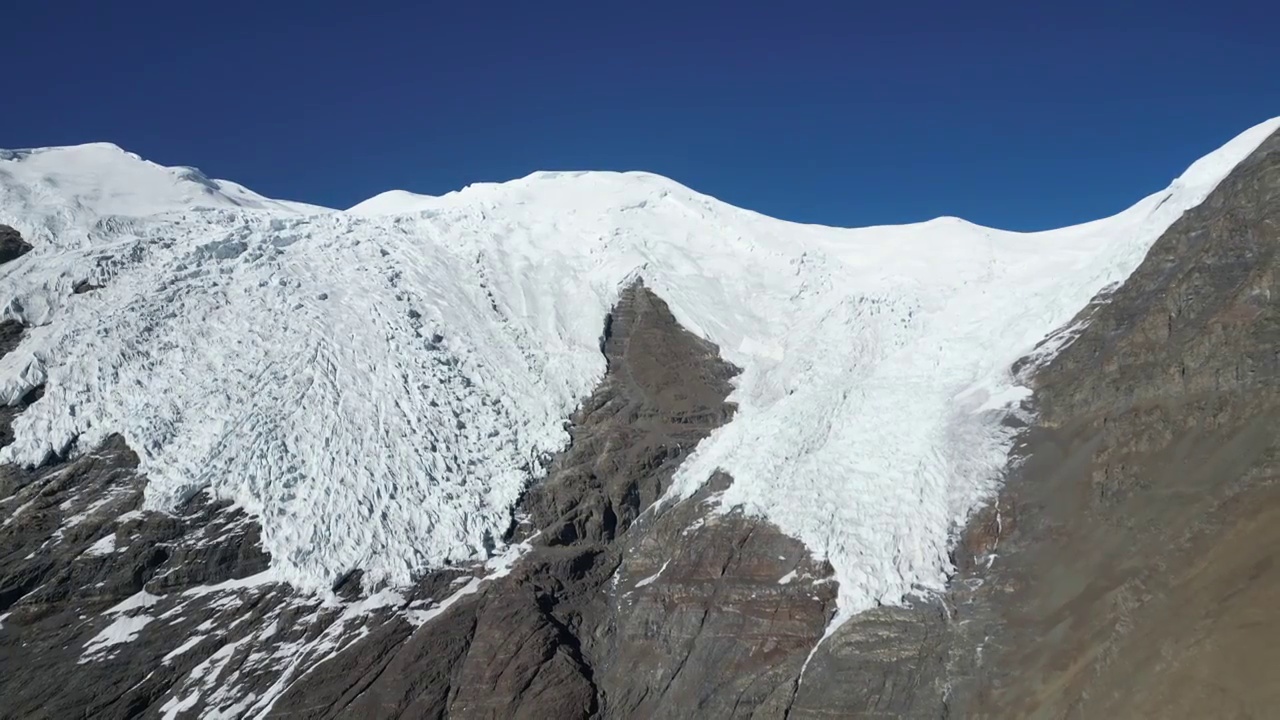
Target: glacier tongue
{"points": [[377, 385]]}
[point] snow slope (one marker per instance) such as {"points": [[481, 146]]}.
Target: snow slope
{"points": [[58, 195], [376, 385], [393, 202]]}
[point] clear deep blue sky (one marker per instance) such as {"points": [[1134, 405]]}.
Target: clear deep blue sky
{"points": [[1007, 114]]}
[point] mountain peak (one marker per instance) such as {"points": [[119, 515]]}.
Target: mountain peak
{"points": [[101, 148], [55, 195], [585, 186]]}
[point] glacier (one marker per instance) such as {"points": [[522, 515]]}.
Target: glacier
{"points": [[379, 385]]}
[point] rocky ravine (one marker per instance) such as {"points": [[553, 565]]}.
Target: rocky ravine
{"points": [[1125, 570]]}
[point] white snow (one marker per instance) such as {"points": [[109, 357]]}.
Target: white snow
{"points": [[174, 707], [374, 384], [104, 546], [185, 646], [139, 600], [654, 577], [498, 566], [60, 195], [121, 630], [393, 202], [266, 577]]}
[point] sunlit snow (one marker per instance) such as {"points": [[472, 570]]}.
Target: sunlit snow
{"points": [[377, 385]]}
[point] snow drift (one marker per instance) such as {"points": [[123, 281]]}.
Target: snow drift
{"points": [[377, 385]]}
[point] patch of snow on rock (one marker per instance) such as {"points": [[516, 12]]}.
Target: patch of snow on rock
{"points": [[654, 577], [104, 546], [121, 630]]}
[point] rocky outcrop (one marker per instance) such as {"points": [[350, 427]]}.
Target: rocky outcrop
{"points": [[617, 610], [1140, 579], [613, 610], [12, 246], [79, 563], [10, 335]]}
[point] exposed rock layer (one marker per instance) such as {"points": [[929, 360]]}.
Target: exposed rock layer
{"points": [[12, 246]]}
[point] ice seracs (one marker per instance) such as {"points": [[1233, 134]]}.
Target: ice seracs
{"points": [[377, 384]]}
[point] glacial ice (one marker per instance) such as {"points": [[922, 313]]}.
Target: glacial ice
{"points": [[378, 385]]}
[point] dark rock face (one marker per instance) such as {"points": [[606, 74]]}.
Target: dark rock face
{"points": [[12, 246], [1140, 579], [614, 612], [10, 335], [1125, 570]]}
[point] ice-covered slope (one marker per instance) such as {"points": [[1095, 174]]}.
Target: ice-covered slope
{"points": [[59, 194], [378, 387], [393, 202]]}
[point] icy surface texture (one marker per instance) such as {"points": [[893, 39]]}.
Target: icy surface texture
{"points": [[377, 385]]}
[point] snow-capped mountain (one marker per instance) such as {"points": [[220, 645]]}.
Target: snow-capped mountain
{"points": [[597, 445], [378, 385]]}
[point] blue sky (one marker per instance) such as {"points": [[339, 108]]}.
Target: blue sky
{"points": [[841, 113]]}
